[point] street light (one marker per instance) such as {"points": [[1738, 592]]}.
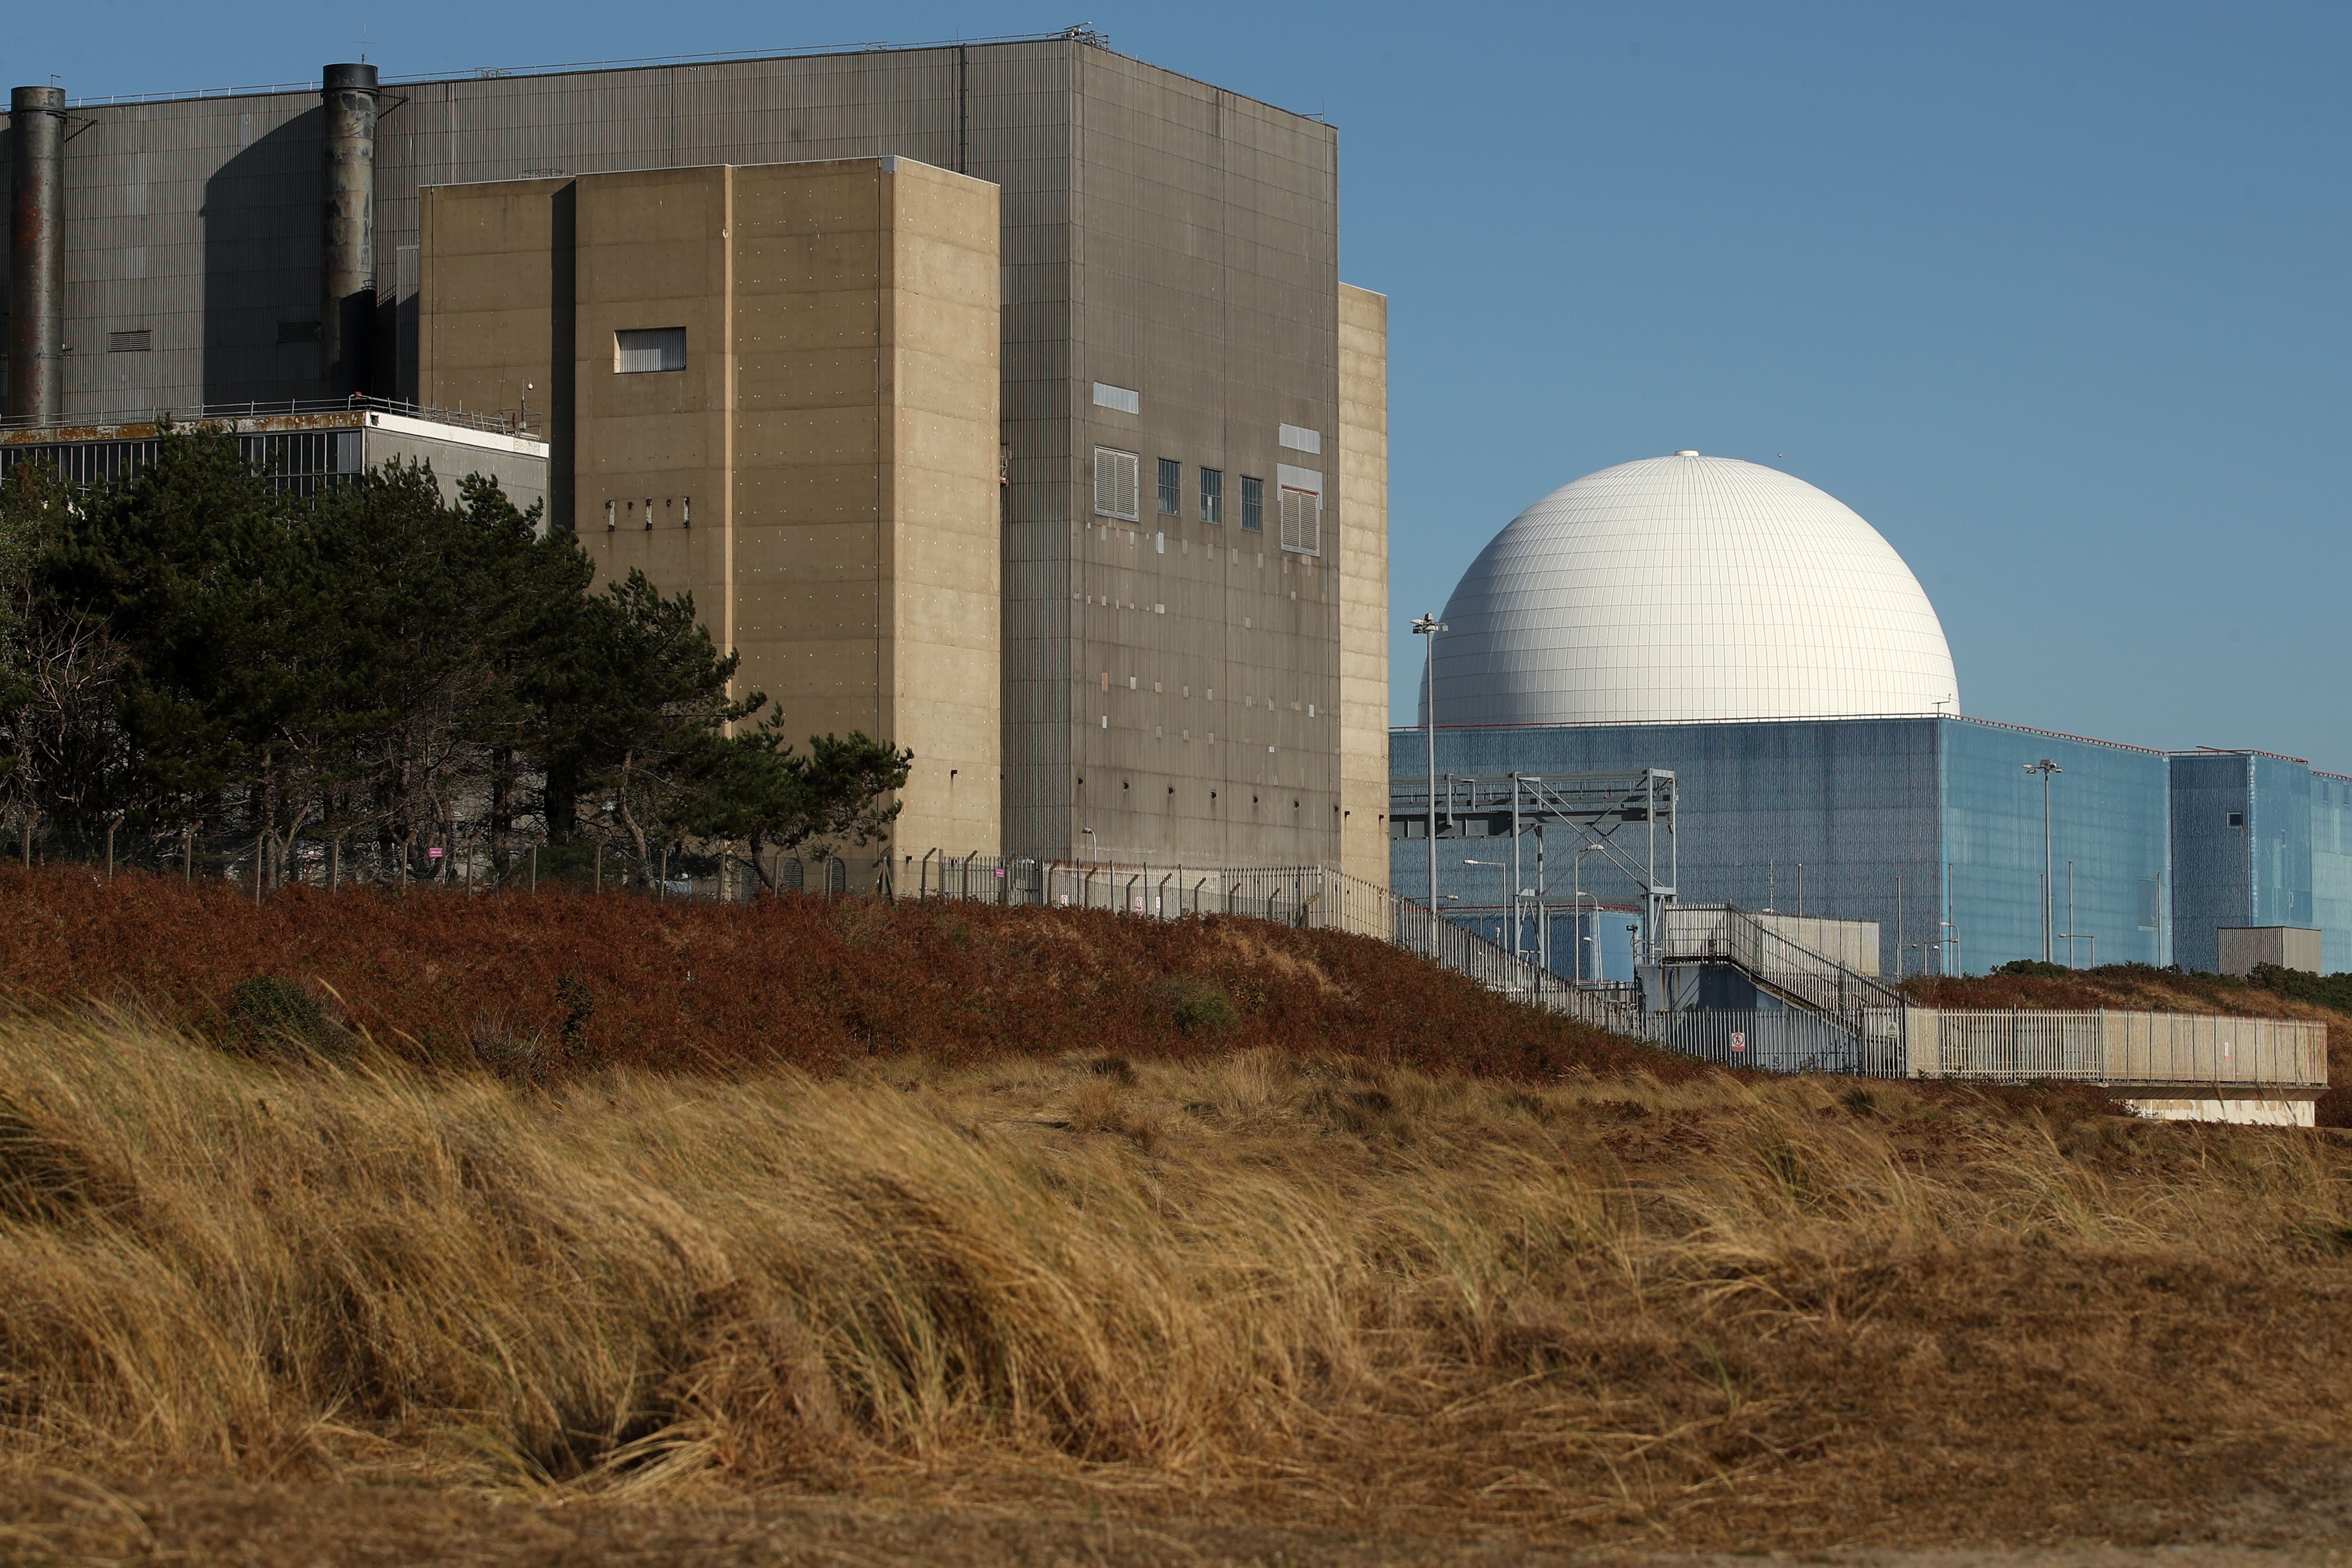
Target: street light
{"points": [[1429, 626], [2045, 768]]}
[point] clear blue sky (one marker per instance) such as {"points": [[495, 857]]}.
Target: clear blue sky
{"points": [[2054, 295]]}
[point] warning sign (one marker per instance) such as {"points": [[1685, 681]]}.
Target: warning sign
{"points": [[1739, 1042]]}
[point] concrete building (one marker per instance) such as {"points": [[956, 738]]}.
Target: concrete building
{"points": [[1742, 630], [300, 451], [1186, 431]]}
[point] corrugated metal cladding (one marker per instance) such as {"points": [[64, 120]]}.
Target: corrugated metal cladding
{"points": [[1159, 235]]}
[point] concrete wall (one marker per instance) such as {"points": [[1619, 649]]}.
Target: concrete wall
{"points": [[821, 474], [1364, 583], [517, 463], [1198, 694]]}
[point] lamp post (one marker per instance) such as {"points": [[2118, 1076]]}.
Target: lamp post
{"points": [[1429, 626], [2046, 769]]}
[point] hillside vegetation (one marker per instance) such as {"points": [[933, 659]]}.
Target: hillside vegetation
{"points": [[548, 987], [579, 1228]]}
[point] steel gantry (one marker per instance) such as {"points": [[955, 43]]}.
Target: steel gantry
{"points": [[1599, 808]]}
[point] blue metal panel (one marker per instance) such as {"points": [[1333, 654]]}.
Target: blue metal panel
{"points": [[2331, 868], [2212, 864], [1826, 816], [2107, 820], [2279, 841]]}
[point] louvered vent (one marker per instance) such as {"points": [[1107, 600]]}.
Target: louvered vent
{"points": [[1117, 481], [1302, 521], [640, 349], [138, 340]]}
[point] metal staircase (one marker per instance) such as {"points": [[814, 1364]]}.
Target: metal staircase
{"points": [[1862, 1005]]}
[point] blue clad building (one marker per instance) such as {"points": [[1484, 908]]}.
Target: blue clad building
{"points": [[1744, 631]]}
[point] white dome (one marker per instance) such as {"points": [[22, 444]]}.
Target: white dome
{"points": [[1681, 589]]}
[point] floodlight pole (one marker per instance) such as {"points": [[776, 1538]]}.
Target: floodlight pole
{"points": [[2046, 767], [1429, 626]]}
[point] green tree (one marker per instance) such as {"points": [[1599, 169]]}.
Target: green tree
{"points": [[763, 793], [643, 715]]}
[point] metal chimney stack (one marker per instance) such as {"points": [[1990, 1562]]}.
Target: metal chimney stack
{"points": [[347, 304], [37, 254]]}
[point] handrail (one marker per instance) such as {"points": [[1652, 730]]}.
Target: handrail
{"points": [[1812, 979]]}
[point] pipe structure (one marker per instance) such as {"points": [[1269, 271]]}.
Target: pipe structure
{"points": [[347, 284], [37, 254]]}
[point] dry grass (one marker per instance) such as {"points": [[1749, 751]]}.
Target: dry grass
{"points": [[1241, 1289]]}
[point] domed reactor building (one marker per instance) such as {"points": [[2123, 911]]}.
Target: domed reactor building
{"points": [[1752, 698]]}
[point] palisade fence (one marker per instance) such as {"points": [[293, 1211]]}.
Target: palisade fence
{"points": [[2113, 1047], [1782, 1039]]}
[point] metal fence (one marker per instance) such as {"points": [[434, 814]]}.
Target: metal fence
{"points": [[2116, 1047], [2017, 1047], [1781, 1039]]}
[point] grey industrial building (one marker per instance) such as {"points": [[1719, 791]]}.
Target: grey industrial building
{"points": [[1189, 494]]}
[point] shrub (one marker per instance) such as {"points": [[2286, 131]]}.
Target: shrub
{"points": [[270, 1016], [1199, 1008]]}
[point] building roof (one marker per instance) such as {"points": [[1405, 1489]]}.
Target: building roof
{"points": [[1683, 588]]}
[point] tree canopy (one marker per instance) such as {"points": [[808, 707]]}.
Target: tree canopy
{"points": [[192, 655]]}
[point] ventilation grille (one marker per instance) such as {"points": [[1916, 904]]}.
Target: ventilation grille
{"points": [[138, 340], [1117, 481], [643, 349], [298, 332], [1127, 400], [1302, 521], [1299, 438]]}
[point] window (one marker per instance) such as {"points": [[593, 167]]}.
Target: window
{"points": [[1302, 521], [1117, 477], [1171, 487], [1253, 505], [1213, 495], [643, 349], [2237, 819]]}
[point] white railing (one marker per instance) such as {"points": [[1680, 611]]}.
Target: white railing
{"points": [[2117, 1047]]}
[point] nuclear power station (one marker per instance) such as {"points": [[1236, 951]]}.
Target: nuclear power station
{"points": [[1001, 399]]}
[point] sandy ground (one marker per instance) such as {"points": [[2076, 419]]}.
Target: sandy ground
{"points": [[63, 1519]]}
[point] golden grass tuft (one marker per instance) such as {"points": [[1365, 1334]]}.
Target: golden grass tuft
{"points": [[1250, 1285]]}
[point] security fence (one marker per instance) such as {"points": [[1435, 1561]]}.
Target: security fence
{"points": [[1780, 1039], [2116, 1047]]}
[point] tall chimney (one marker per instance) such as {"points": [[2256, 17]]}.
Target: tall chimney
{"points": [[37, 254], [347, 303]]}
